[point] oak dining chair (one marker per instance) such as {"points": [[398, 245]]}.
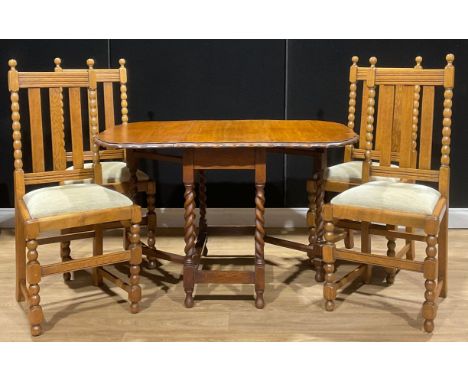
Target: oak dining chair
{"points": [[115, 163], [387, 204], [348, 174], [66, 206]]}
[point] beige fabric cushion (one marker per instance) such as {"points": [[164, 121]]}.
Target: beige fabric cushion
{"points": [[351, 172], [58, 200], [112, 172], [394, 196]]}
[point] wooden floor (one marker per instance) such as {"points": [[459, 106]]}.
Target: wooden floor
{"points": [[294, 310]]}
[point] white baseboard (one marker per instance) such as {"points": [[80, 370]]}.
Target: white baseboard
{"points": [[7, 217], [458, 218], [274, 217]]}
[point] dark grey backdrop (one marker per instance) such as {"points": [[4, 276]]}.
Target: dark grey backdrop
{"points": [[238, 79]]}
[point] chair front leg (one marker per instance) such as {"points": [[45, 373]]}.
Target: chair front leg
{"points": [[349, 238], [391, 272], [329, 289], [443, 255], [366, 247], [33, 273], [98, 244], [65, 256], [152, 261], [134, 292], [410, 255], [430, 273], [20, 248]]}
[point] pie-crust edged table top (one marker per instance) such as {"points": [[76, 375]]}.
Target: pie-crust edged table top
{"points": [[227, 133]]}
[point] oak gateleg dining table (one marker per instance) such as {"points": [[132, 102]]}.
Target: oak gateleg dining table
{"points": [[231, 145]]}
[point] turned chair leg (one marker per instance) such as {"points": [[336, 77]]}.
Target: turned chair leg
{"points": [[151, 260], [125, 241], [366, 247], [443, 255], [98, 243], [349, 238], [20, 249], [411, 254], [391, 272], [259, 245], [65, 256], [134, 292], [429, 310], [35, 314], [329, 290]]}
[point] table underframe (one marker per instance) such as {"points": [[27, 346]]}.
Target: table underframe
{"points": [[199, 160]]}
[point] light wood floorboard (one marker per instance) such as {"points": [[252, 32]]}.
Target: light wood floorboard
{"points": [[77, 311]]}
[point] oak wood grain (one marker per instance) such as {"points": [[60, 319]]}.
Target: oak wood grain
{"points": [[227, 133]]}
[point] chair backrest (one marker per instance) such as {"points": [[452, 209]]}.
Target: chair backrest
{"points": [[399, 96], [386, 128], [106, 77], [53, 82]]}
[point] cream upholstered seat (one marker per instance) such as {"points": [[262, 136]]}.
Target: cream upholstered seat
{"points": [[393, 196], [351, 172], [112, 172], [59, 200]]}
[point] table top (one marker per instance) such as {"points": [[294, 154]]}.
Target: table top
{"points": [[227, 133]]}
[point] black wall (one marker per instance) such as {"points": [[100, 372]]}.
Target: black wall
{"points": [[246, 79]]}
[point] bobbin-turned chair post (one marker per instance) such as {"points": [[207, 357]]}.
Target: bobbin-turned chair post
{"points": [[65, 206], [389, 203]]}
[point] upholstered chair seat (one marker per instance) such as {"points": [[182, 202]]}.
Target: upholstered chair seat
{"points": [[72, 198], [112, 172], [351, 172], [389, 195]]}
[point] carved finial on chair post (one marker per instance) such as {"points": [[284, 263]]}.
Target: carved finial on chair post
{"points": [[90, 63], [12, 64], [450, 58], [123, 92], [418, 60], [58, 63]]}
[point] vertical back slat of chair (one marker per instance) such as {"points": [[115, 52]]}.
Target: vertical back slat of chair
{"points": [[362, 128], [37, 139], [109, 105], [76, 126], [403, 119], [385, 123], [427, 122], [396, 133], [57, 129]]}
